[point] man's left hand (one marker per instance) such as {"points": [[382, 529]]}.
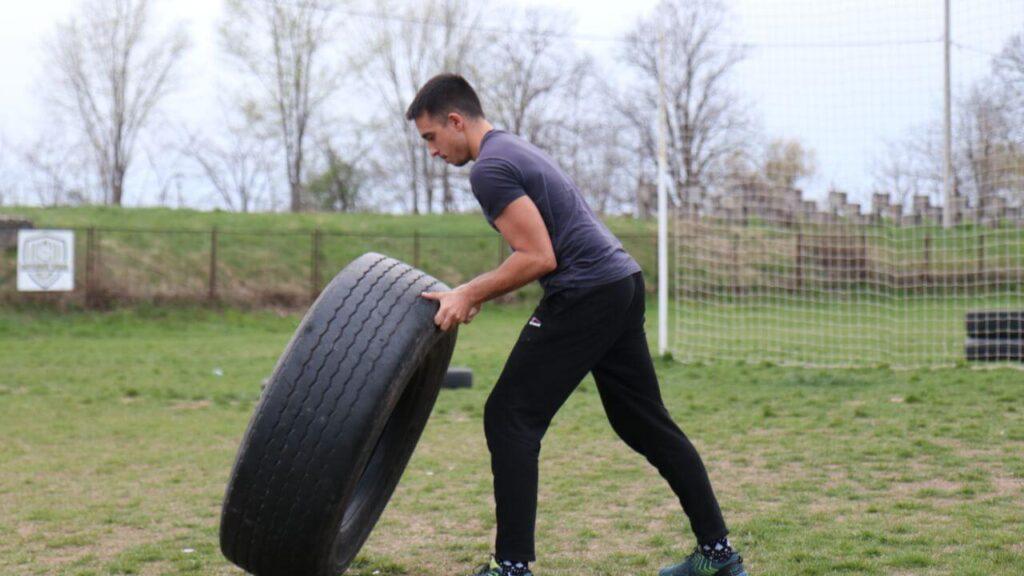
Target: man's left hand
{"points": [[456, 307]]}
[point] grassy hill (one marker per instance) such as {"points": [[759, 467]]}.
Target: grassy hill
{"points": [[361, 223], [161, 254]]}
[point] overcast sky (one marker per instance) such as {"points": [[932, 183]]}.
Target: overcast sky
{"points": [[842, 76]]}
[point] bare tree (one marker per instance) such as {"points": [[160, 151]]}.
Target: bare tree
{"points": [[913, 165], [237, 161], [110, 71], [979, 145], [237, 164], [706, 122], [1008, 66], [529, 77], [990, 160], [593, 143], [894, 174], [54, 176], [536, 83], [7, 188], [285, 47], [409, 42]]}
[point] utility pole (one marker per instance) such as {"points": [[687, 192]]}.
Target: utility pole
{"points": [[949, 205], [662, 199]]}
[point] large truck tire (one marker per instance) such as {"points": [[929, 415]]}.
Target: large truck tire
{"points": [[337, 422], [458, 377], [994, 350], [996, 324]]}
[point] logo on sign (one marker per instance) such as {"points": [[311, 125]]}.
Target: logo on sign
{"points": [[45, 260]]}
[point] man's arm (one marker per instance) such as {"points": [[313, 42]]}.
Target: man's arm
{"points": [[521, 225]]}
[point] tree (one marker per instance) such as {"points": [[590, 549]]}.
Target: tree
{"points": [[110, 72], [990, 160], [537, 84], [237, 164], [7, 188], [593, 144], [1008, 66], [408, 43], [284, 47], [54, 176], [979, 145], [706, 122], [337, 188], [786, 162], [913, 165], [529, 77]]}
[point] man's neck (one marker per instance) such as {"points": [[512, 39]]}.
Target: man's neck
{"points": [[475, 133]]}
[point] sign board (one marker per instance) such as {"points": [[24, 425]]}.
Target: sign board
{"points": [[46, 260]]}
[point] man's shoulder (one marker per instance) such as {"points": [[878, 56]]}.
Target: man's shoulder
{"points": [[493, 165], [505, 145]]}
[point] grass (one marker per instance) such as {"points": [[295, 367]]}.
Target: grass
{"points": [[119, 430], [830, 329]]}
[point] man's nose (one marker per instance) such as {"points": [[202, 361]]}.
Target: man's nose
{"points": [[435, 152]]}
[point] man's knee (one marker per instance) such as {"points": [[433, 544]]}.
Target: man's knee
{"points": [[493, 424], [507, 429]]}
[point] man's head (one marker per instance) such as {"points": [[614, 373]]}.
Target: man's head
{"points": [[443, 110]]}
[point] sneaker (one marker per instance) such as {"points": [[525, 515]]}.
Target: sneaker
{"points": [[697, 564], [492, 569]]}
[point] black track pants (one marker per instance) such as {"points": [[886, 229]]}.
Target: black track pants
{"points": [[600, 330]]}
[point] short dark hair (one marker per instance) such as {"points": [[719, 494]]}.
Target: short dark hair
{"points": [[443, 94]]}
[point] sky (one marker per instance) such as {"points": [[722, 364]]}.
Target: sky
{"points": [[841, 76]]}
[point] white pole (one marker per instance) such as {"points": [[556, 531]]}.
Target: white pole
{"points": [[662, 201], [948, 192]]}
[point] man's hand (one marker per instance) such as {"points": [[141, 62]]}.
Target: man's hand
{"points": [[456, 307], [522, 226]]}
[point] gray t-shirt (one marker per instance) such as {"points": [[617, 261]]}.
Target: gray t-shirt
{"points": [[588, 254]]}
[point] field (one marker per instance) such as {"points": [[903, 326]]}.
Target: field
{"points": [[119, 430]]}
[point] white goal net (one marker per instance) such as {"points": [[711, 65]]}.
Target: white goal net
{"points": [[849, 237]]}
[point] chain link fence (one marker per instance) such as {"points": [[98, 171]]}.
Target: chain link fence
{"points": [[123, 266]]}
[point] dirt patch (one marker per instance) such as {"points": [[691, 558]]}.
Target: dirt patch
{"points": [[191, 405]]}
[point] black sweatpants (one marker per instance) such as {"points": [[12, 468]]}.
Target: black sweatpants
{"points": [[600, 330]]}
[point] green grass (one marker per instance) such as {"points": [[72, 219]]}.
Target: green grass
{"points": [[830, 329], [118, 436]]}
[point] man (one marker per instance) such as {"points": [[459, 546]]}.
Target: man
{"points": [[590, 319]]}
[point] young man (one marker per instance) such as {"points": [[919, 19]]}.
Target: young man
{"points": [[590, 319]]}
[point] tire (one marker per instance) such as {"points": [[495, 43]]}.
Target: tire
{"points": [[458, 378], [337, 422], [987, 350], [1007, 324]]}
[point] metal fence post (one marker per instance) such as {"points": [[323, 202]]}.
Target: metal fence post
{"points": [[865, 264], [799, 261], [314, 275], [736, 265], [416, 248], [927, 260], [90, 266], [212, 291], [981, 256]]}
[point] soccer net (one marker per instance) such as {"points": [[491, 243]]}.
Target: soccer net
{"points": [[845, 240]]}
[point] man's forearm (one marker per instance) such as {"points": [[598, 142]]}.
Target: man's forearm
{"points": [[516, 271]]}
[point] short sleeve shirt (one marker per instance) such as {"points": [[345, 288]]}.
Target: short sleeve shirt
{"points": [[588, 254]]}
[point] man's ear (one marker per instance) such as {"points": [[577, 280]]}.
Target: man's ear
{"points": [[457, 121]]}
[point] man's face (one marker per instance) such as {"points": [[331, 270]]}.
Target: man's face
{"points": [[445, 137]]}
